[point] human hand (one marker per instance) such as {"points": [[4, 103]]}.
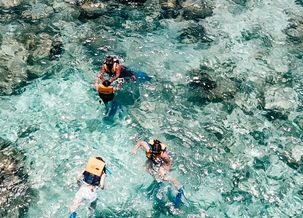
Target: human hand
{"points": [[133, 78], [134, 151], [96, 86], [137, 138], [121, 80]]}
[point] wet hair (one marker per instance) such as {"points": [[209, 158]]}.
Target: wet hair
{"points": [[109, 60], [156, 142], [100, 158], [106, 83]]}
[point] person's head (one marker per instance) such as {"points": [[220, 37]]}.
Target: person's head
{"points": [[100, 158], [109, 61], [106, 83], [157, 142]]}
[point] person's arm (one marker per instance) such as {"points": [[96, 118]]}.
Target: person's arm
{"points": [[118, 86], [118, 72], [97, 84], [79, 177], [101, 75], [102, 181], [140, 143], [133, 76]]}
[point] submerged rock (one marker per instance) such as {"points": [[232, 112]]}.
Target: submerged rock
{"points": [[31, 53], [193, 34], [10, 3], [65, 12], [40, 47], [204, 81], [240, 2], [169, 9], [204, 87], [193, 9], [92, 10], [132, 2], [300, 2], [56, 50], [38, 11], [15, 193], [13, 58], [299, 121], [295, 32]]}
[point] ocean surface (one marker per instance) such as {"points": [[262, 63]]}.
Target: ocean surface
{"points": [[226, 96]]}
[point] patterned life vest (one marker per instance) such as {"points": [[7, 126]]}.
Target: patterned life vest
{"points": [[156, 150], [112, 71]]}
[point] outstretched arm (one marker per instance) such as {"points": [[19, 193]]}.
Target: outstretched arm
{"points": [[140, 143], [97, 84], [101, 75], [102, 181], [118, 86]]}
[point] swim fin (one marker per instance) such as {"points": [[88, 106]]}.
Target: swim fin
{"points": [[142, 76], [73, 215], [109, 171], [178, 200]]}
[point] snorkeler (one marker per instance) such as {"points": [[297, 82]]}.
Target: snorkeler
{"points": [[92, 178], [115, 70], [159, 163], [106, 90]]}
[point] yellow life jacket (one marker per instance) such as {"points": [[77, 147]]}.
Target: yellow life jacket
{"points": [[105, 89], [155, 152], [113, 70], [95, 166]]}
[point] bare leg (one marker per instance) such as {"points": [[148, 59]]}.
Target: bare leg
{"points": [[75, 204], [163, 175]]}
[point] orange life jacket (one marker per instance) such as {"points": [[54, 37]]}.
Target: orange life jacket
{"points": [[95, 166], [93, 171], [105, 89]]}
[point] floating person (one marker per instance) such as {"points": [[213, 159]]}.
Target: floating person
{"points": [[115, 70], [106, 90], [107, 93], [92, 178], [159, 163]]}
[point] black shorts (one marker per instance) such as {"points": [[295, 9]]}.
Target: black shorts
{"points": [[126, 72], [106, 97]]}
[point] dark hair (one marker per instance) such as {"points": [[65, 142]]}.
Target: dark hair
{"points": [[106, 83], [100, 158], [156, 141], [109, 60]]}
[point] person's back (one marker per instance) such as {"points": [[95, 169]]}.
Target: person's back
{"points": [[92, 178], [106, 90]]}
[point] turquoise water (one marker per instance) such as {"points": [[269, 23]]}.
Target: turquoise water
{"points": [[237, 148]]}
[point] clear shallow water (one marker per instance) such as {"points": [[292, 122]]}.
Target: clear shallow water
{"points": [[232, 160]]}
